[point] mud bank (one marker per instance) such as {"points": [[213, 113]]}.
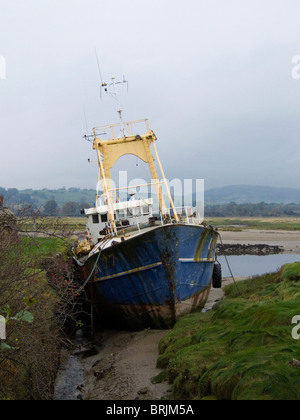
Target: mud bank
{"points": [[246, 249], [119, 366], [288, 241], [124, 367]]}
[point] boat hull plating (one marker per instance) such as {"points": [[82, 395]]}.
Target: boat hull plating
{"points": [[152, 279]]}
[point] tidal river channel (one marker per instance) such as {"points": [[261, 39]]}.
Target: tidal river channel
{"points": [[251, 265]]}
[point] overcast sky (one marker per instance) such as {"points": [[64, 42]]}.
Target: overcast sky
{"points": [[214, 77]]}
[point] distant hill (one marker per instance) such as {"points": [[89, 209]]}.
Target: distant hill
{"points": [[235, 193], [40, 197], [252, 194]]}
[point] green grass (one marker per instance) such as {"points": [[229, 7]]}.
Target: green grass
{"points": [[42, 247], [242, 348], [56, 224], [74, 223], [266, 223]]}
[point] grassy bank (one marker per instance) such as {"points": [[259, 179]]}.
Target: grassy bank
{"points": [[43, 247], [78, 224], [242, 349], [261, 223]]}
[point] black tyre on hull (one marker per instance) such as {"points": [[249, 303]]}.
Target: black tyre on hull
{"points": [[217, 276]]}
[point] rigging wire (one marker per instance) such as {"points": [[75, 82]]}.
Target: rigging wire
{"points": [[98, 64], [229, 268], [85, 119]]}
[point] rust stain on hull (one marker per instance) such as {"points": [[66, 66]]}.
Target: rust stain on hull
{"points": [[137, 317]]}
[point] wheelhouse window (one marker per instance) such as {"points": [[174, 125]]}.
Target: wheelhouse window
{"points": [[104, 218], [95, 218]]}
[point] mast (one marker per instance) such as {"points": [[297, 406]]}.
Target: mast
{"points": [[109, 151], [110, 88]]}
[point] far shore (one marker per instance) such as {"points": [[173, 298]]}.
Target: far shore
{"points": [[289, 241]]}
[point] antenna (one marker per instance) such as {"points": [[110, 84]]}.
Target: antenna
{"points": [[110, 88], [98, 64]]}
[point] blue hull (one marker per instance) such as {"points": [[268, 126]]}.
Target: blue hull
{"points": [[152, 279]]}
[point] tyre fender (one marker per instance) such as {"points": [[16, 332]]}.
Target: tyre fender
{"points": [[217, 276]]}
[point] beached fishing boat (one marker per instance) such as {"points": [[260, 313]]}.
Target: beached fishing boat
{"points": [[140, 268]]}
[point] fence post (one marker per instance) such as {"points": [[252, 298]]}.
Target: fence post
{"points": [[2, 328]]}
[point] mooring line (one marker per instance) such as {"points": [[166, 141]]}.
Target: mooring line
{"points": [[232, 276], [95, 265]]}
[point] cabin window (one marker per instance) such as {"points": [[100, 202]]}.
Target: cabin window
{"points": [[104, 218], [123, 213], [95, 218]]}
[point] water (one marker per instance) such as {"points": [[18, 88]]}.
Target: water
{"points": [[68, 379], [71, 373], [251, 265]]}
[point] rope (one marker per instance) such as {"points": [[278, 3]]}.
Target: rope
{"points": [[94, 267]]}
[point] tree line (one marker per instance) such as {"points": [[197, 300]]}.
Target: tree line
{"points": [[252, 210], [61, 202], [40, 201], [69, 209], [232, 209], [51, 209], [69, 202]]}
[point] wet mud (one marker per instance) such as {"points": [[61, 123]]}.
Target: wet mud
{"points": [[118, 365]]}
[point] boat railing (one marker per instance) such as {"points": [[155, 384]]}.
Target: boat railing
{"points": [[113, 130], [133, 223], [187, 214]]}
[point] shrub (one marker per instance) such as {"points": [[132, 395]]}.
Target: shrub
{"points": [[30, 355]]}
